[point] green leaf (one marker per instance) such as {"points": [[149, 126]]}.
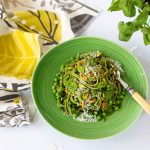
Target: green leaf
{"points": [[146, 35], [71, 85], [129, 10], [143, 16], [145, 30], [115, 5], [138, 3], [127, 28], [124, 37], [146, 39], [123, 3]]}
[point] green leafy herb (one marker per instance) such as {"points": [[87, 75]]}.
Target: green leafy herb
{"points": [[141, 22], [146, 35], [71, 86], [126, 30], [115, 6]]}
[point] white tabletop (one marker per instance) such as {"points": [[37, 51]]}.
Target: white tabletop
{"points": [[41, 136]]}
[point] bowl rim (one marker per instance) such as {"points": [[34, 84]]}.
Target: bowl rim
{"points": [[77, 137]]}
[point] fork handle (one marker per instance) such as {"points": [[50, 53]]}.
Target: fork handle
{"points": [[140, 100]]}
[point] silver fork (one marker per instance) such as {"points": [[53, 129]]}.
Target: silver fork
{"points": [[139, 99]]}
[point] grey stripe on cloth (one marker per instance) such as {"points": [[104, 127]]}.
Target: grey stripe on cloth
{"points": [[14, 86]]}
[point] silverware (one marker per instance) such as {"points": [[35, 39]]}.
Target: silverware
{"points": [[137, 97]]}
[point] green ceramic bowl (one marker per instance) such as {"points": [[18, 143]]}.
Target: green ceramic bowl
{"points": [[46, 102]]}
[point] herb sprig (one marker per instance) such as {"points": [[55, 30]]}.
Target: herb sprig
{"points": [[131, 8]]}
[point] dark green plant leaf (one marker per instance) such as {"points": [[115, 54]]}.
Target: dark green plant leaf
{"points": [[129, 10], [123, 3], [124, 37], [127, 28], [146, 35], [138, 3], [145, 30], [146, 39], [143, 16], [115, 5]]}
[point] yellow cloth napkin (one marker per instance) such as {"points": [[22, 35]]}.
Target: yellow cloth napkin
{"points": [[45, 23], [22, 23], [19, 54]]}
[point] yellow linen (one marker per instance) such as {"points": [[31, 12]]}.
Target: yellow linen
{"points": [[19, 54], [45, 23]]}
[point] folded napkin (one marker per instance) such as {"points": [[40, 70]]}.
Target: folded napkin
{"points": [[13, 110], [19, 54], [28, 29]]}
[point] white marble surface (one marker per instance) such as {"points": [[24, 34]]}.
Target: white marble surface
{"points": [[40, 136]]}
